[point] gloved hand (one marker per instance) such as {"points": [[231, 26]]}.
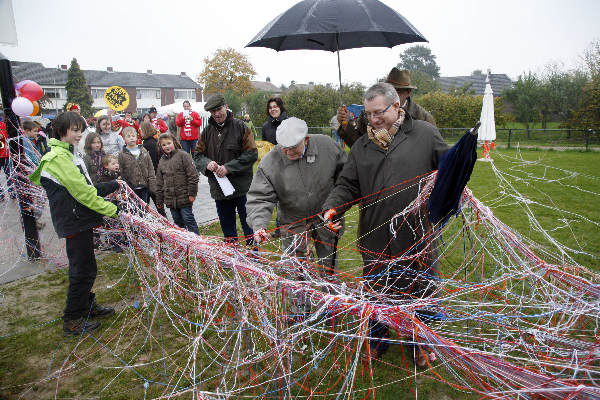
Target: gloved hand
{"points": [[260, 236], [334, 226]]}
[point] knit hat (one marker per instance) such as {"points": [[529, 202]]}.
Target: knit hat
{"points": [[291, 131]]}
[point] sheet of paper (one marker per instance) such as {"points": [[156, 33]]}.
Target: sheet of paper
{"points": [[225, 185]]}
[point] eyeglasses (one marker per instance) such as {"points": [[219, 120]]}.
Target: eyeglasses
{"points": [[377, 114], [216, 110]]}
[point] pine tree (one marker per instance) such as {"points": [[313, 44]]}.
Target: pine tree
{"points": [[77, 89]]}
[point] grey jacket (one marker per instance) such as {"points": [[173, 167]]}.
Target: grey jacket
{"points": [[298, 187], [112, 142]]}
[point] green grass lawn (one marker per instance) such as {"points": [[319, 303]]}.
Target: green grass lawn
{"points": [[550, 198]]}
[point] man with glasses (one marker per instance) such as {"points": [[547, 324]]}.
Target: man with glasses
{"points": [[226, 149], [350, 131], [383, 171]]}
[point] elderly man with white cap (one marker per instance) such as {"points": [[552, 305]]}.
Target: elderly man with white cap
{"points": [[297, 176]]}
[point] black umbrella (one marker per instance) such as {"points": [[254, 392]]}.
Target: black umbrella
{"points": [[335, 25], [454, 171]]}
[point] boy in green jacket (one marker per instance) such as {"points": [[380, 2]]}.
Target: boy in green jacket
{"points": [[76, 207]]}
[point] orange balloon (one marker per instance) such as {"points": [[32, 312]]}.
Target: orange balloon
{"points": [[36, 108]]}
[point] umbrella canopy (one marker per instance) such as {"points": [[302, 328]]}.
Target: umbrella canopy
{"points": [[335, 25], [487, 131], [454, 171]]}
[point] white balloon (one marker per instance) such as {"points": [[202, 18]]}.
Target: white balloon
{"points": [[21, 106]]}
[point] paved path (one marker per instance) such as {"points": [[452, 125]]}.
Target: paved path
{"points": [[13, 259]]}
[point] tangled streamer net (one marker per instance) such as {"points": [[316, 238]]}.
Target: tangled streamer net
{"points": [[509, 318]]}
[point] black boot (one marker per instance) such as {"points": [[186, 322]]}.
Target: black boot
{"points": [[75, 327], [99, 311]]}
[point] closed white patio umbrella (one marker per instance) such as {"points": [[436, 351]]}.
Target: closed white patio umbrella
{"points": [[487, 131]]}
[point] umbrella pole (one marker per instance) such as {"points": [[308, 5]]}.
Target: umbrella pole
{"points": [[337, 43]]}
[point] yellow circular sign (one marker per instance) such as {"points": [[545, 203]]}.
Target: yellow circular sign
{"points": [[117, 98]]}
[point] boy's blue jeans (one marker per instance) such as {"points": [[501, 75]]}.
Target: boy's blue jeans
{"points": [[189, 146], [184, 218]]}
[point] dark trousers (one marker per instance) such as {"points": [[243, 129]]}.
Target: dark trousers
{"points": [[143, 193], [226, 210], [402, 281], [82, 274], [184, 218], [189, 146]]}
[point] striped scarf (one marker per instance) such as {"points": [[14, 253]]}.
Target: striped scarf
{"points": [[187, 128]]}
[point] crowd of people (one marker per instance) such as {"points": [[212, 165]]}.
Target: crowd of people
{"points": [[308, 179]]}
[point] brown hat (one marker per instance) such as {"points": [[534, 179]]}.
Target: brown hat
{"points": [[215, 101], [399, 79]]}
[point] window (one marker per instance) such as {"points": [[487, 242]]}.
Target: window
{"points": [[147, 94], [55, 93], [185, 94], [98, 93]]}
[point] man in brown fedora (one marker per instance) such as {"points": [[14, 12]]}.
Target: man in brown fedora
{"points": [[400, 80]]}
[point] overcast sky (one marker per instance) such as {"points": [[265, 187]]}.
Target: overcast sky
{"points": [[508, 36]]}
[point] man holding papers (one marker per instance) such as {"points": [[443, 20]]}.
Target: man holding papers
{"points": [[226, 149]]}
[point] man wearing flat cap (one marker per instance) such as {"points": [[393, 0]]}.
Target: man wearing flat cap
{"points": [[226, 149], [350, 131], [297, 176]]}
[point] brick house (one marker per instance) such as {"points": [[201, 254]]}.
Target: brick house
{"points": [[145, 89]]}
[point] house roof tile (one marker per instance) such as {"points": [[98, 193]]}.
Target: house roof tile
{"points": [[54, 76], [499, 82]]}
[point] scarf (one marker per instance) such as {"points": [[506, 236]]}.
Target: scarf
{"points": [[382, 137], [187, 127]]}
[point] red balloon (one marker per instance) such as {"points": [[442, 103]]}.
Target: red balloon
{"points": [[32, 91], [19, 85]]}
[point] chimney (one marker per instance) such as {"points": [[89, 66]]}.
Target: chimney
{"points": [[63, 67], [109, 69], [183, 73], [148, 71]]}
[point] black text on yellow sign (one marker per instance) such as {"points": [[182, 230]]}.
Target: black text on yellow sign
{"points": [[117, 98]]}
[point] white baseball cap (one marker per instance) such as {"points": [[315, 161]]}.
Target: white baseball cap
{"points": [[291, 131]]}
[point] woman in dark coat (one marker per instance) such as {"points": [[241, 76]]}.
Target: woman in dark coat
{"points": [[276, 113]]}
